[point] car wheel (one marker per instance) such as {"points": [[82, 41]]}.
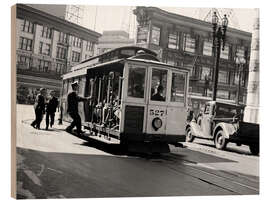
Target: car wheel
{"points": [[189, 136], [254, 149], [220, 140]]}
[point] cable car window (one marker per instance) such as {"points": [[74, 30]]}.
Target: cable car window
{"points": [[136, 82], [178, 87], [159, 85]]}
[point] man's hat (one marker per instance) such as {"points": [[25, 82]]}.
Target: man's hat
{"points": [[42, 89], [74, 84]]}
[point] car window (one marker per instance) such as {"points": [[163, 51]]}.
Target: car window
{"points": [[136, 82], [227, 111]]}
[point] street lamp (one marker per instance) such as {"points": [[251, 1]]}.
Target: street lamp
{"points": [[240, 61], [219, 34]]}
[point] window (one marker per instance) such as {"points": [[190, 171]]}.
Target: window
{"points": [[142, 34], [27, 26], [24, 62], [77, 42], [44, 49], [61, 52], [40, 47], [76, 56], [25, 44], [170, 62], [207, 48], [206, 72], [227, 111], [136, 82], [59, 68], [89, 46], [236, 78], [63, 37], [46, 32], [158, 85], [173, 40], [178, 87], [155, 35], [47, 50], [188, 43], [44, 66], [240, 51], [223, 94], [225, 54], [223, 76]]}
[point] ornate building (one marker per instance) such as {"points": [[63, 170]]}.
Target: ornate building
{"points": [[187, 42], [46, 47]]}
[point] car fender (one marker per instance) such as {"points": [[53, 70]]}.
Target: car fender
{"points": [[228, 129], [195, 129]]}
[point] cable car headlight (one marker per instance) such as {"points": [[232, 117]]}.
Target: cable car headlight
{"points": [[156, 123]]}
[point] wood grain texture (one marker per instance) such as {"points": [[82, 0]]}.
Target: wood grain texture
{"points": [[13, 101]]}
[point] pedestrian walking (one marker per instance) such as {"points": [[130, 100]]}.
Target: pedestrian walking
{"points": [[72, 108], [39, 107], [51, 109]]}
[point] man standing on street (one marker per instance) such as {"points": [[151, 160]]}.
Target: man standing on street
{"points": [[39, 107], [51, 109], [72, 108]]}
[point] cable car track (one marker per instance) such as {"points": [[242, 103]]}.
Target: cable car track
{"points": [[240, 185]]}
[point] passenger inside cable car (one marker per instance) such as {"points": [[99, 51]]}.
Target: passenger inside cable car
{"points": [[159, 85], [158, 95]]}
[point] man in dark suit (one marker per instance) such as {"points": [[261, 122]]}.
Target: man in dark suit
{"points": [[158, 96], [39, 107], [51, 109], [72, 108]]}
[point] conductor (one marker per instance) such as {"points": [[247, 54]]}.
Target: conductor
{"points": [[72, 108]]}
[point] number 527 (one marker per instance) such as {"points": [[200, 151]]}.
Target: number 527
{"points": [[156, 112]]}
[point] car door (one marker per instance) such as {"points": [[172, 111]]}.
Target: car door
{"points": [[206, 121]]}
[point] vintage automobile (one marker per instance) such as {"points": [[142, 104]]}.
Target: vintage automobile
{"points": [[223, 123]]}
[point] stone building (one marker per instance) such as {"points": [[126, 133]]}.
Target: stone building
{"points": [[47, 47], [187, 42], [112, 39]]}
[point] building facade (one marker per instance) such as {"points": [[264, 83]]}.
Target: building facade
{"points": [[47, 47], [72, 13], [112, 39], [187, 42]]}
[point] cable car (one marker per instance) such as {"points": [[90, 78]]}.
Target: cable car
{"points": [[137, 101]]}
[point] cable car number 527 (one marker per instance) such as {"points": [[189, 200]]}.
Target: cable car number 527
{"points": [[156, 112]]}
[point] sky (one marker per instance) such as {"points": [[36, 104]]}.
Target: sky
{"points": [[100, 18]]}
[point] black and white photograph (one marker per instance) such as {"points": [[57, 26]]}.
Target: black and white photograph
{"points": [[112, 101]]}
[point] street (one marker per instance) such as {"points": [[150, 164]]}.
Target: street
{"points": [[55, 164]]}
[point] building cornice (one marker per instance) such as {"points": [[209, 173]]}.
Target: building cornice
{"points": [[162, 15]]}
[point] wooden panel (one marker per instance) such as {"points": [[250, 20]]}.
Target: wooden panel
{"points": [[134, 119]]}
